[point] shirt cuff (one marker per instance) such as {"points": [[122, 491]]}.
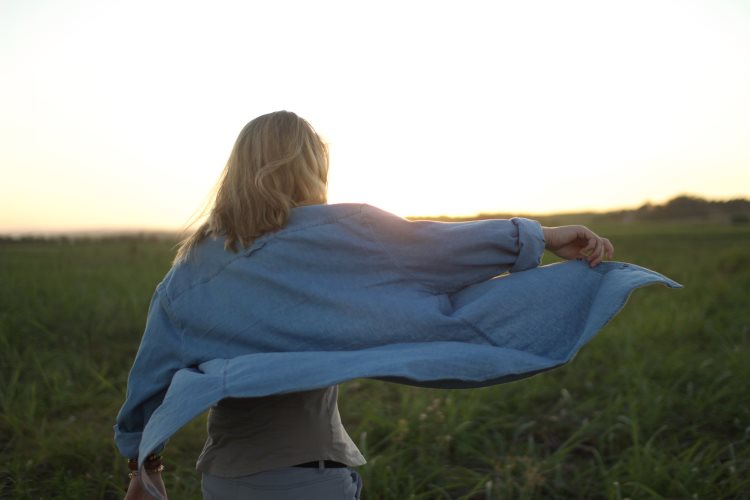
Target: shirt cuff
{"points": [[530, 244], [129, 442]]}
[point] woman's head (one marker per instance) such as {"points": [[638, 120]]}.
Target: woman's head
{"points": [[278, 162]]}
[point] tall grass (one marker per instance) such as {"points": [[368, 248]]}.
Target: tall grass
{"points": [[656, 406]]}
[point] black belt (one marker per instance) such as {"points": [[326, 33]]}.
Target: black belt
{"points": [[327, 464]]}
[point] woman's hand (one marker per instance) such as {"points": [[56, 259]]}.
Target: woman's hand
{"points": [[136, 491], [572, 242]]}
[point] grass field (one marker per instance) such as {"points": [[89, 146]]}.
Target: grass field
{"points": [[657, 406]]}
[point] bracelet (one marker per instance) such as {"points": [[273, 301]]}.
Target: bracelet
{"points": [[152, 463], [134, 473]]}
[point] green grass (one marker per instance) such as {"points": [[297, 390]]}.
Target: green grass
{"points": [[656, 406]]}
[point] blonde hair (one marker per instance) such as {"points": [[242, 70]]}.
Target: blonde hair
{"points": [[278, 162]]}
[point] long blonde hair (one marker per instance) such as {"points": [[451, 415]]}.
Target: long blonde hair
{"points": [[278, 162]]}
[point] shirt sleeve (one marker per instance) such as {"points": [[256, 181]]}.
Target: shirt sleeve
{"points": [[447, 256], [157, 360]]}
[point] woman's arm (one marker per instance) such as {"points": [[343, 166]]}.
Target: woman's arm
{"points": [[157, 360], [573, 242], [448, 256]]}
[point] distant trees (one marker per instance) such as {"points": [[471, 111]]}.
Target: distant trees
{"points": [[693, 207], [683, 207]]}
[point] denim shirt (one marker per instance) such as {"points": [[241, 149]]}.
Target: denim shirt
{"points": [[349, 291]]}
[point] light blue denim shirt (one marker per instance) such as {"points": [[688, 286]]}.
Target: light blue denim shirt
{"points": [[349, 291]]}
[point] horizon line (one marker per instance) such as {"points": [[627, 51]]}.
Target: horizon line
{"points": [[145, 230]]}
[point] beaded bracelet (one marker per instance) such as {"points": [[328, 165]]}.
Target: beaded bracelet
{"points": [[152, 463], [134, 473]]}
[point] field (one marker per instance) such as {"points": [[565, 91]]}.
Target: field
{"points": [[657, 406]]}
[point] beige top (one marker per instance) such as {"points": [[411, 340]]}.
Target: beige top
{"points": [[249, 435]]}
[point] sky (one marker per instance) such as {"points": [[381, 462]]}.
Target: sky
{"points": [[120, 115]]}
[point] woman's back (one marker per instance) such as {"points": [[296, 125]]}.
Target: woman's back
{"points": [[250, 435], [349, 276]]}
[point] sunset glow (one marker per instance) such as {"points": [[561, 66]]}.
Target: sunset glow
{"points": [[122, 115]]}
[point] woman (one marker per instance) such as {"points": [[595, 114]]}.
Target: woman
{"points": [[278, 297]]}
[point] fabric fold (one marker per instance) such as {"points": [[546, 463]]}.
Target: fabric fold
{"points": [[350, 291], [506, 350]]}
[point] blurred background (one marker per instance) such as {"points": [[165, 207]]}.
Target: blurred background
{"points": [[116, 119], [121, 116]]}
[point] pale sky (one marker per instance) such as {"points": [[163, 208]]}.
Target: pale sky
{"points": [[122, 114]]}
